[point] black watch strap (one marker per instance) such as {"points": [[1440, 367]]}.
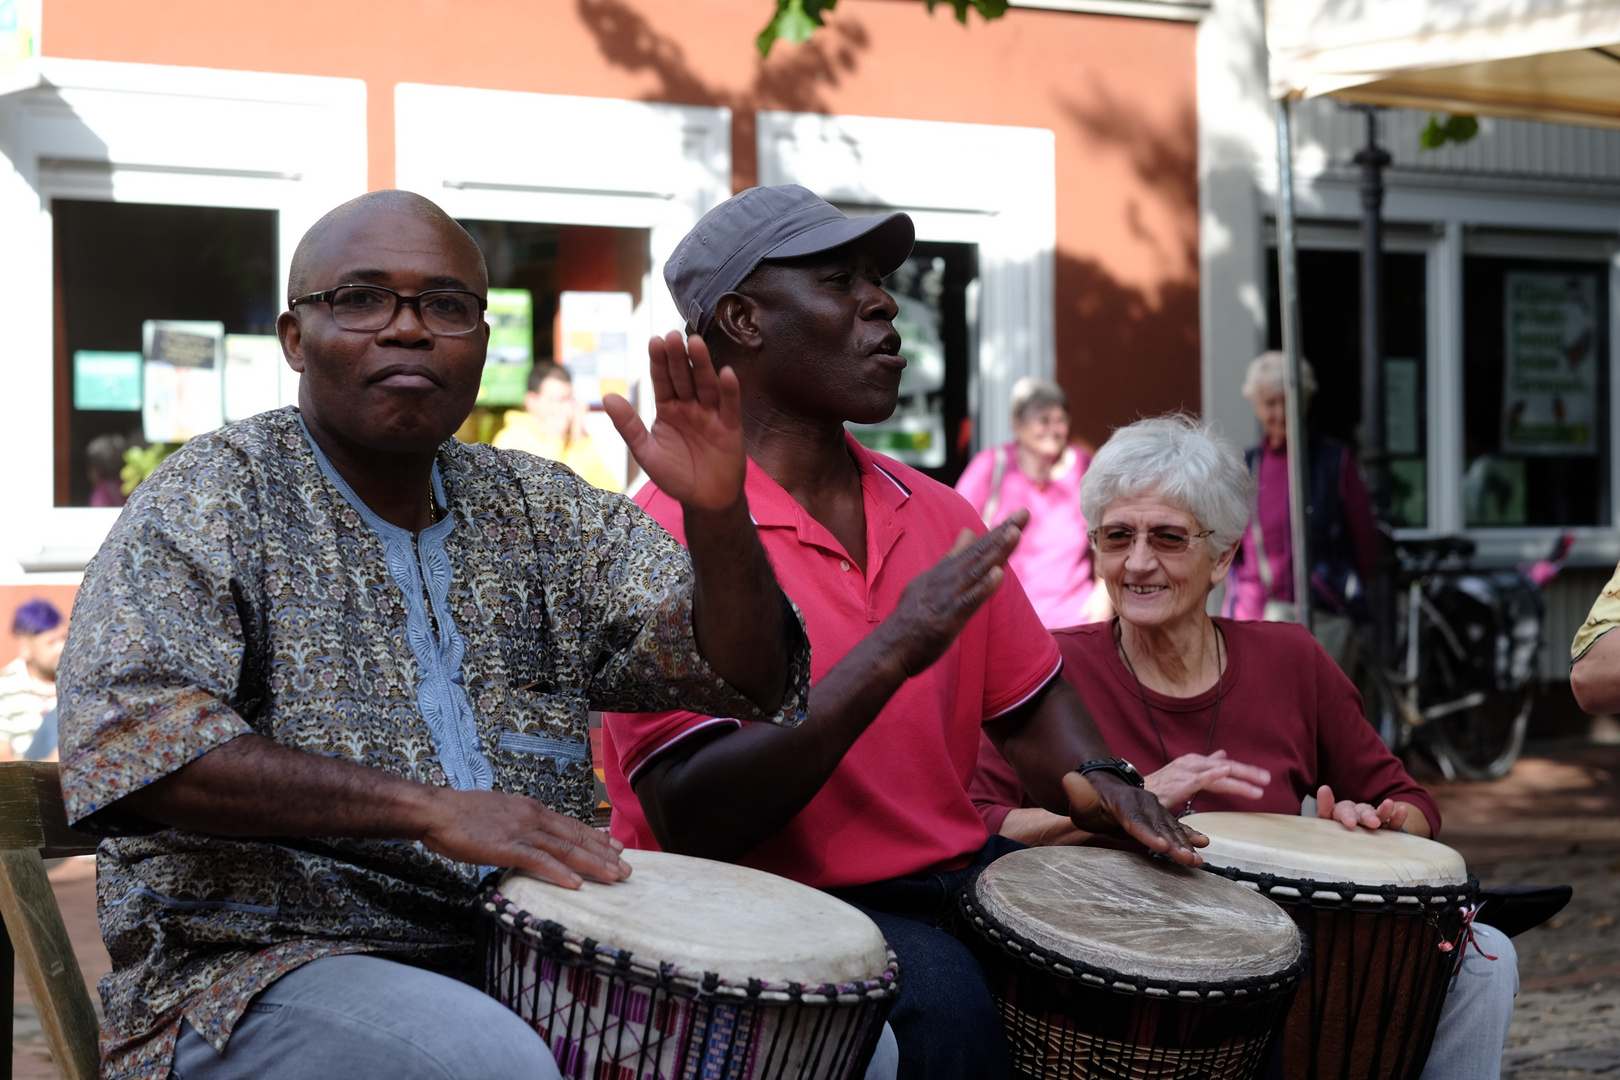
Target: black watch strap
{"points": [[1118, 766]]}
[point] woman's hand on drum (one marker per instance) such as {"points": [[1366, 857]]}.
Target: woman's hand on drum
{"points": [[1388, 814], [1112, 806], [1191, 773], [489, 828]]}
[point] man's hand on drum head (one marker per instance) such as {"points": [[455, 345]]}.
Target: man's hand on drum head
{"points": [[1388, 814], [694, 452], [938, 602], [1191, 773], [1110, 805], [489, 828]]}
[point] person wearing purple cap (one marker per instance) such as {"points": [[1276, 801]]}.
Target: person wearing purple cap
{"points": [[28, 683], [919, 636]]}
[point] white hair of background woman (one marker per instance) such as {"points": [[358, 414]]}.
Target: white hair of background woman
{"points": [[1267, 373], [1186, 462], [1032, 393]]}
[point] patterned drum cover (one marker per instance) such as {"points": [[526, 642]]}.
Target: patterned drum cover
{"points": [[690, 970], [1108, 964], [1385, 913]]}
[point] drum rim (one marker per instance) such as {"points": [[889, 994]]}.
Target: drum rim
{"points": [[554, 940], [1249, 990], [1349, 895]]}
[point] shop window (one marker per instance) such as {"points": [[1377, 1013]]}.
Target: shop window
{"points": [[148, 298], [1535, 392], [565, 294], [1330, 338], [937, 290]]}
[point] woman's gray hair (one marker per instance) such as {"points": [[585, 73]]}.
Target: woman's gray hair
{"points": [[1268, 371], [1032, 393], [1186, 462]]}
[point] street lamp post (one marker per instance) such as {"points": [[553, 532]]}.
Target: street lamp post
{"points": [[1373, 160]]}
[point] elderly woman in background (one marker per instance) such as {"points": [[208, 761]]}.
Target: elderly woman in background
{"points": [[1343, 537], [1234, 715], [1040, 471]]}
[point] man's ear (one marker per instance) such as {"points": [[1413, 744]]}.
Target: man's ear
{"points": [[737, 317], [292, 340]]}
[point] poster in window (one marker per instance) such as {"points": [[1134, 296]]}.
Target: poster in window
{"points": [[106, 381], [593, 337], [253, 366], [182, 395], [511, 347], [1550, 346]]}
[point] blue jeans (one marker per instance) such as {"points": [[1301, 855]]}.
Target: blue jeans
{"points": [[1479, 1006], [945, 1021], [366, 1018]]}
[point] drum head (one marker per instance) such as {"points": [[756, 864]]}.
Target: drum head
{"points": [[1138, 916], [702, 915], [1315, 849]]}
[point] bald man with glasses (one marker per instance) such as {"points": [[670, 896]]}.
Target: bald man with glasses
{"points": [[331, 666]]}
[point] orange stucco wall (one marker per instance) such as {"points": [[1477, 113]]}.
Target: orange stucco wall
{"points": [[1119, 94]]}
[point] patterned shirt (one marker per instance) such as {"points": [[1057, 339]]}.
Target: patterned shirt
{"points": [[245, 589], [1604, 616], [23, 704]]}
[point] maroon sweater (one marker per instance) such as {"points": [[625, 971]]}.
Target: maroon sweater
{"points": [[1285, 706]]}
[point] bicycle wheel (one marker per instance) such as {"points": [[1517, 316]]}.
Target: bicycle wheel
{"points": [[1481, 742]]}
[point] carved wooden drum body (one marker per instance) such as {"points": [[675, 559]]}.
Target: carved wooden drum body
{"points": [[690, 969], [1385, 915], [1110, 964]]}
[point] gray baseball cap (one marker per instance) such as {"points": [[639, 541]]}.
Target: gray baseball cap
{"points": [[770, 223]]}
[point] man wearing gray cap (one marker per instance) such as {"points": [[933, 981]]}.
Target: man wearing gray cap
{"points": [[919, 637]]}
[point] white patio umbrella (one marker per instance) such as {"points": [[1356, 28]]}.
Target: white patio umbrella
{"points": [[1550, 60]]}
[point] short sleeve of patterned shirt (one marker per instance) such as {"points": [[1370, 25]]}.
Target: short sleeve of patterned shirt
{"points": [[244, 589], [1604, 616]]}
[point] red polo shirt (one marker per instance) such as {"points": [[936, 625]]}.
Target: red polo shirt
{"points": [[898, 803]]}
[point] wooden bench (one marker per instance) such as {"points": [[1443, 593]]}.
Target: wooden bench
{"points": [[33, 828]]}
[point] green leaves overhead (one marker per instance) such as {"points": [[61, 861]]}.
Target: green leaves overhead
{"points": [[1455, 129], [796, 20]]}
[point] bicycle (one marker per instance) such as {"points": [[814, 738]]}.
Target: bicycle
{"points": [[1466, 645]]}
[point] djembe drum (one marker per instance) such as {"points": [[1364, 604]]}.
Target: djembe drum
{"points": [[1111, 964], [1385, 915], [690, 969]]}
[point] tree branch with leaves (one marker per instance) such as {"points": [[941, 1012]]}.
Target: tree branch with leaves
{"points": [[797, 20]]}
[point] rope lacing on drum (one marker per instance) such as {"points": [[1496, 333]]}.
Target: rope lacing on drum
{"points": [[1251, 988], [1465, 939], [1349, 894]]}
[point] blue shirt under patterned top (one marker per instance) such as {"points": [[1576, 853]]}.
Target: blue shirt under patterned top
{"points": [[246, 589]]}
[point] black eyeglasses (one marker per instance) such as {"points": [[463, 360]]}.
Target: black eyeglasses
{"points": [[372, 307], [1113, 539]]}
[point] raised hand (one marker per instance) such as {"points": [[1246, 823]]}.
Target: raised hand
{"points": [[1191, 773], [1112, 806], [694, 452], [939, 602], [488, 828], [1388, 814]]}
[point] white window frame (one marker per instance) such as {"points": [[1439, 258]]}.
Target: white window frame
{"points": [[1572, 222], [565, 160], [139, 133], [983, 184]]}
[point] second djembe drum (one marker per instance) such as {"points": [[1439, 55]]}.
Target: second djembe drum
{"points": [[1107, 964]]}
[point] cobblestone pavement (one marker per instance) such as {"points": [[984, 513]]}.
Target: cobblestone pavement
{"points": [[1555, 819]]}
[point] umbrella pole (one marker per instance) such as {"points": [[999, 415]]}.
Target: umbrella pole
{"points": [[1373, 160], [1288, 304]]}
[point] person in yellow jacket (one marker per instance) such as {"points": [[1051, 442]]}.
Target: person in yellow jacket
{"points": [[551, 424]]}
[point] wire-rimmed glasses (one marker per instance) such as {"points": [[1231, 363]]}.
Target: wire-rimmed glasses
{"points": [[1114, 539]]}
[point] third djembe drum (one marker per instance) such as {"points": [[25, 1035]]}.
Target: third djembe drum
{"points": [[1384, 912]]}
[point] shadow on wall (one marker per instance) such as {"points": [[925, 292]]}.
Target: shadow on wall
{"points": [[1124, 350], [791, 81]]}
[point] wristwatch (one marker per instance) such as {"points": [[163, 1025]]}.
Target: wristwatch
{"points": [[1118, 766]]}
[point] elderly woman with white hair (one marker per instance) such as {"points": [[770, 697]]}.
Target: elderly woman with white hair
{"points": [[1230, 715], [1342, 534]]}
